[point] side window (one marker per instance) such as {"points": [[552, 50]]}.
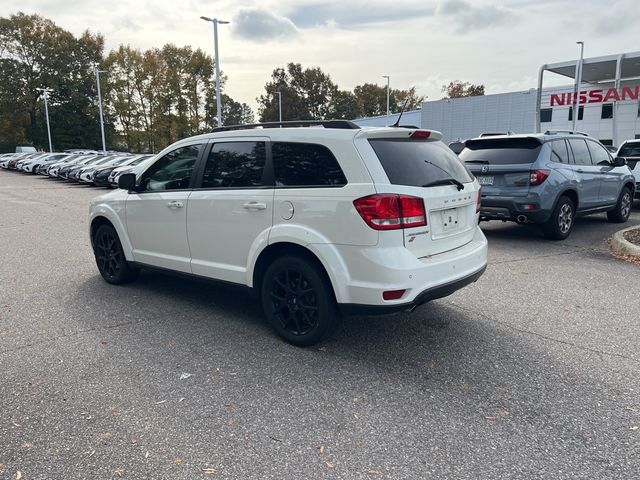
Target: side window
{"points": [[580, 151], [305, 165], [559, 151], [599, 155], [234, 165], [173, 171]]}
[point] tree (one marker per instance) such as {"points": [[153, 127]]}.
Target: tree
{"points": [[343, 106], [459, 89], [306, 94], [372, 99], [37, 53]]}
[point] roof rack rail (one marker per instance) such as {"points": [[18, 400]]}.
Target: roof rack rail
{"points": [[340, 124], [555, 132]]}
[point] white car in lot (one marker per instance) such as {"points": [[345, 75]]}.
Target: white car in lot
{"points": [[630, 150], [32, 165], [319, 222]]}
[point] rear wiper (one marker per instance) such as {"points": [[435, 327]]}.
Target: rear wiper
{"points": [[445, 181]]}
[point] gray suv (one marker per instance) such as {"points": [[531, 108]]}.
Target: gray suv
{"points": [[549, 179]]}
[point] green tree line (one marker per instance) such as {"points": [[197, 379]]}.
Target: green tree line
{"points": [[154, 97]]}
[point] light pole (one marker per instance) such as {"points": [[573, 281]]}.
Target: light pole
{"points": [[387, 77], [98, 72], [279, 106], [45, 93], [576, 98], [215, 22]]}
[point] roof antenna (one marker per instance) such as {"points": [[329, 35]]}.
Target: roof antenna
{"points": [[397, 124]]}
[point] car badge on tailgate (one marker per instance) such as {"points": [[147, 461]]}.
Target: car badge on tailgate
{"points": [[484, 169]]}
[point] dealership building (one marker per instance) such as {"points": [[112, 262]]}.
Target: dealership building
{"points": [[607, 103]]}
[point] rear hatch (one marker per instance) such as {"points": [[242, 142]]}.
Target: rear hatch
{"points": [[427, 169], [502, 165]]}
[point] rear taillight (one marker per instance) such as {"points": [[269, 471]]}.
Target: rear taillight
{"points": [[479, 200], [536, 177], [391, 212], [420, 134]]}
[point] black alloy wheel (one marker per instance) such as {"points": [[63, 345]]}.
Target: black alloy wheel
{"points": [[112, 264], [298, 301]]}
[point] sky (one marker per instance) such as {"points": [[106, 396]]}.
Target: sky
{"points": [[421, 43]]}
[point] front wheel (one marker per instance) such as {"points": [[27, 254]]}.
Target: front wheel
{"points": [[559, 226], [621, 212], [112, 264], [298, 301]]}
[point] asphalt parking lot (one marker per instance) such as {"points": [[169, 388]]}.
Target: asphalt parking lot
{"points": [[531, 373]]}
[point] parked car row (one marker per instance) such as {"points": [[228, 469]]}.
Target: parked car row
{"points": [[100, 170]]}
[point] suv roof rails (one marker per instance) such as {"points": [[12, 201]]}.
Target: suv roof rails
{"points": [[339, 124], [571, 132]]}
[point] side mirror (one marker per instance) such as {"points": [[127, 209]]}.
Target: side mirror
{"points": [[619, 162], [127, 181]]}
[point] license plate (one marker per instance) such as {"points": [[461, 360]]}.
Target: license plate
{"points": [[450, 219], [485, 180]]}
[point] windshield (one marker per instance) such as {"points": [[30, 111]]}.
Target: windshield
{"points": [[501, 151], [418, 163]]}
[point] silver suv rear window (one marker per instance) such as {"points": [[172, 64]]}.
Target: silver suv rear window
{"points": [[417, 162], [501, 151]]}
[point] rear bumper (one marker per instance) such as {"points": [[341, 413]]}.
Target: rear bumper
{"points": [[366, 273], [426, 296], [510, 208]]}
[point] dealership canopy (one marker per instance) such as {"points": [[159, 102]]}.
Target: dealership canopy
{"points": [[610, 69]]}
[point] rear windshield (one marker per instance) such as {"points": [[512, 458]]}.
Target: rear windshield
{"points": [[417, 163], [630, 150], [501, 151]]}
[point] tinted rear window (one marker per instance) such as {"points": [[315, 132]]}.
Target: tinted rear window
{"points": [[305, 164], [417, 163], [501, 151], [630, 150]]}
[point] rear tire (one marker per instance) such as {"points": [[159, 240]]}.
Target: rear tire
{"points": [[298, 301], [110, 259], [560, 225], [621, 212]]}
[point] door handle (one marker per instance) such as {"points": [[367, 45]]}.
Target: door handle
{"points": [[175, 204], [255, 206], [580, 170]]}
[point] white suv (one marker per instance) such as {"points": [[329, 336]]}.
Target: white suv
{"points": [[317, 221]]}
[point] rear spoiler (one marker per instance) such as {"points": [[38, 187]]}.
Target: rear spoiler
{"points": [[400, 133]]}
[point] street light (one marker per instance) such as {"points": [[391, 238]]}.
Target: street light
{"points": [[576, 98], [387, 77], [215, 22], [45, 93], [98, 72], [279, 106]]}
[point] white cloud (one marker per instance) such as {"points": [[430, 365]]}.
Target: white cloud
{"points": [[260, 24]]}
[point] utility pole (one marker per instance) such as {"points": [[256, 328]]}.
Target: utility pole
{"points": [[576, 98], [388, 94], [45, 93], [215, 22], [280, 106], [98, 72]]}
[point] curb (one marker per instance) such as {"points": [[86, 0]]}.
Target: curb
{"points": [[622, 246]]}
